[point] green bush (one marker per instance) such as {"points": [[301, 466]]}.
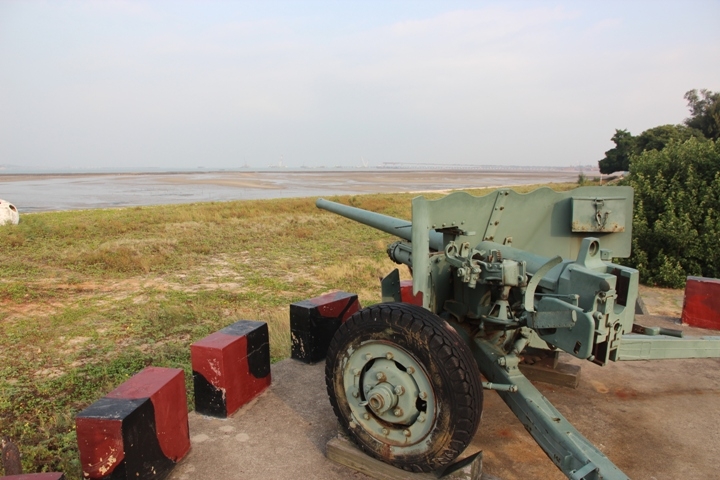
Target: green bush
{"points": [[676, 225]]}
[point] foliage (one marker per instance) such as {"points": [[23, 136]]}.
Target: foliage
{"points": [[626, 145], [657, 138], [704, 122], [705, 112], [676, 224], [618, 159]]}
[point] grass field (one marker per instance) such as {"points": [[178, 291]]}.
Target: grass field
{"points": [[88, 298]]}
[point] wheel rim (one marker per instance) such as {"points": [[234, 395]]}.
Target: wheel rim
{"points": [[389, 394]]}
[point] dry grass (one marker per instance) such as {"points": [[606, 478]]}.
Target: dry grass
{"points": [[88, 298]]}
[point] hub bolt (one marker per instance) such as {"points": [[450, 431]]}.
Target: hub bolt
{"points": [[356, 372], [399, 390], [398, 412], [421, 418], [356, 394], [380, 376], [410, 370], [406, 432], [423, 395], [366, 416], [389, 356], [368, 356], [385, 431]]}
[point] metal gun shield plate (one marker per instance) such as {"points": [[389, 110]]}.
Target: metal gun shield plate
{"points": [[404, 385]]}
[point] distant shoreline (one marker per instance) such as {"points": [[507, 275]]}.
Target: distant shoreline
{"points": [[80, 191], [19, 176]]}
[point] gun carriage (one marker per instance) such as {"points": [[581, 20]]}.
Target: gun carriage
{"points": [[497, 274]]}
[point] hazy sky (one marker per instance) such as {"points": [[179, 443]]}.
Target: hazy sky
{"points": [[217, 84]]}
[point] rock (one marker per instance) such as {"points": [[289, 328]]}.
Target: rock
{"points": [[8, 213], [10, 457]]}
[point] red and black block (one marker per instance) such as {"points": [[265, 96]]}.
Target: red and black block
{"points": [[406, 293], [139, 430], [702, 303], [230, 367], [313, 323], [35, 476]]}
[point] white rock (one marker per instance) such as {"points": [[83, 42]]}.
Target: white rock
{"points": [[8, 213]]}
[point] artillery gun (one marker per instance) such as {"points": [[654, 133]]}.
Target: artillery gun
{"points": [[496, 274]]}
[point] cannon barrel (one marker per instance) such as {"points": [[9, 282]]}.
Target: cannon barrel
{"points": [[393, 226]]}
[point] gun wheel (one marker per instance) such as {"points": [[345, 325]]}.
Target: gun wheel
{"points": [[404, 385]]}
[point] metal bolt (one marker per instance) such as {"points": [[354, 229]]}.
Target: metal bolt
{"points": [[385, 431], [366, 416], [353, 424], [423, 395], [406, 432], [389, 356], [380, 376], [399, 390], [368, 356], [356, 372], [398, 412], [410, 370], [356, 394], [501, 361], [421, 418]]}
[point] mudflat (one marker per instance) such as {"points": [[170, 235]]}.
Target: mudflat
{"points": [[74, 191]]}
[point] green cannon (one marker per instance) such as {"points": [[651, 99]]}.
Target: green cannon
{"points": [[497, 274]]}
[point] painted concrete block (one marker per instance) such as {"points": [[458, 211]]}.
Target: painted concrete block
{"points": [[139, 430], [701, 307], [406, 293], [230, 367], [313, 323]]}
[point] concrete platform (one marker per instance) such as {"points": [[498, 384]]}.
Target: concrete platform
{"points": [[654, 419]]}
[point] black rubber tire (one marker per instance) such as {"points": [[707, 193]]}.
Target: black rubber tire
{"points": [[448, 362]]}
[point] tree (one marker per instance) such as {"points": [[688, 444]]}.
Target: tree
{"points": [[705, 110], [676, 223], [657, 138], [618, 159]]}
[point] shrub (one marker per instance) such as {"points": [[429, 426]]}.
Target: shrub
{"points": [[676, 224]]}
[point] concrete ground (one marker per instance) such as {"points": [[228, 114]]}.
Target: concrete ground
{"points": [[655, 419]]}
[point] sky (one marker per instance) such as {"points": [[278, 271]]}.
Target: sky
{"points": [[137, 84]]}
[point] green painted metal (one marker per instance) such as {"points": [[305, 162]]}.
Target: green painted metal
{"points": [[508, 271], [569, 450], [390, 287], [660, 347]]}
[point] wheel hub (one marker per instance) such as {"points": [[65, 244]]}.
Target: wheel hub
{"points": [[381, 398], [389, 393]]}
